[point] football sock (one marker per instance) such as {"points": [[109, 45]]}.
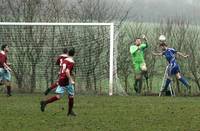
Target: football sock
{"points": [[135, 86], [54, 85], [70, 104], [147, 79], [140, 86], [167, 84], [9, 90], [47, 91], [184, 81], [146, 75], [52, 99]]}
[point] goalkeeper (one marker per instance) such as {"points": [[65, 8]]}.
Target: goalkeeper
{"points": [[137, 54]]}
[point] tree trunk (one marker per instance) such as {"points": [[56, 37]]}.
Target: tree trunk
{"points": [[20, 83], [33, 78], [196, 80], [126, 84], [178, 86], [95, 80]]}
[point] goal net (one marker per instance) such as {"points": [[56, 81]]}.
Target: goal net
{"points": [[34, 48]]}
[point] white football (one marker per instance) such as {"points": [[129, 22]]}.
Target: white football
{"points": [[162, 38]]}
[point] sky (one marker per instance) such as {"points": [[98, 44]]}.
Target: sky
{"points": [[152, 10]]}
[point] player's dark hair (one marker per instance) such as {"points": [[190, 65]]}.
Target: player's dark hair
{"points": [[137, 38], [163, 44], [3, 46], [71, 52], [65, 50]]}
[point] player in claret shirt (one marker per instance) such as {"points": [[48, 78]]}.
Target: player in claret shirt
{"points": [[65, 84], [5, 76], [59, 62]]}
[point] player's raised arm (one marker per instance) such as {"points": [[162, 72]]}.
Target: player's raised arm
{"points": [[144, 37], [144, 43], [183, 55], [157, 53]]}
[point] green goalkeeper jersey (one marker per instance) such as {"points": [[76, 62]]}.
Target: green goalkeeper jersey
{"points": [[137, 53]]}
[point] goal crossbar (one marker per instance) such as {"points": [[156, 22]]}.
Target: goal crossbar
{"points": [[54, 24], [111, 33]]}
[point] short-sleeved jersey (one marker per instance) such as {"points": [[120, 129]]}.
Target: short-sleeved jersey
{"points": [[170, 55], [67, 63], [138, 54], [60, 59], [3, 59]]}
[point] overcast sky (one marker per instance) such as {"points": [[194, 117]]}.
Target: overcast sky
{"points": [[150, 10]]}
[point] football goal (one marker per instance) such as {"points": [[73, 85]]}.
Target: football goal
{"points": [[35, 46]]}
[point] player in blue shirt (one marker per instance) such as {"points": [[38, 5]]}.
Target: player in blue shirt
{"points": [[173, 67]]}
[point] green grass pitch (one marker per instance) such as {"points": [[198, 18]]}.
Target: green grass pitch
{"points": [[101, 113]]}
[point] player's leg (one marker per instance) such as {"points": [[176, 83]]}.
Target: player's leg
{"points": [[1, 80], [176, 71], [2, 75], [182, 79], [60, 91], [168, 78], [137, 76], [70, 106], [167, 82], [138, 83], [53, 86], [70, 91], [7, 79], [8, 87], [141, 71], [185, 83], [145, 73]]}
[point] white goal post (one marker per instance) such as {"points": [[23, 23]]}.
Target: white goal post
{"points": [[111, 35]]}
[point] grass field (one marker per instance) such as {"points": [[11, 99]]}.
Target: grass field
{"points": [[103, 113]]}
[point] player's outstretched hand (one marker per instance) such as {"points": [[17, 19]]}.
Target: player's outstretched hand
{"points": [[144, 37], [186, 56], [8, 69], [72, 82]]}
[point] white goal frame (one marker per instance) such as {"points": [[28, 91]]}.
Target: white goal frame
{"points": [[111, 34]]}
